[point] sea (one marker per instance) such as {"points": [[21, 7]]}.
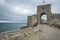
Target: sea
{"points": [[11, 26]]}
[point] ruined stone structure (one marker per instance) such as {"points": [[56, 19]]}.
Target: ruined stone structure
{"points": [[32, 20], [42, 9], [40, 32]]}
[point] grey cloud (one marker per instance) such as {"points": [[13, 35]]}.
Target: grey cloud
{"points": [[7, 13], [26, 2]]}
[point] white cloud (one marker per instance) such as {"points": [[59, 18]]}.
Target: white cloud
{"points": [[22, 10], [2, 1], [1, 21], [44, 17], [27, 7]]}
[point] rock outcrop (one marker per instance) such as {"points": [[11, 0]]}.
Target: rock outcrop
{"points": [[31, 33]]}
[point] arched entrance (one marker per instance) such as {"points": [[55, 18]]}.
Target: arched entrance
{"points": [[46, 10], [43, 18]]}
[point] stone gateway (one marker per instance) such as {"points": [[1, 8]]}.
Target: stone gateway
{"points": [[42, 9]]}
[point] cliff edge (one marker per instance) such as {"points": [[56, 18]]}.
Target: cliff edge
{"points": [[30, 33]]}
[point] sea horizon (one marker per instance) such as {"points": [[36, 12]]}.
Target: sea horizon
{"points": [[11, 26]]}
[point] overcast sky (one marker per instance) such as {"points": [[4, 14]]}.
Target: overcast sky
{"points": [[18, 10]]}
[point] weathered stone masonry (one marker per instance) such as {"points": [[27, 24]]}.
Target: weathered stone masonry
{"points": [[30, 32], [43, 9], [32, 20]]}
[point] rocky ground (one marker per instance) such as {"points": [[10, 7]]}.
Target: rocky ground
{"points": [[31, 33], [40, 32]]}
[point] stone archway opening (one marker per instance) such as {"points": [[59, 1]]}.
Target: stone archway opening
{"points": [[43, 18]]}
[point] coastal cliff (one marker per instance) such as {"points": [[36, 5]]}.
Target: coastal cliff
{"points": [[30, 33]]}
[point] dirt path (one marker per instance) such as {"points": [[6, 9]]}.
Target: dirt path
{"points": [[36, 36], [41, 32], [50, 33]]}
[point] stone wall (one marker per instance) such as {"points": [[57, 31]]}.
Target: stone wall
{"points": [[56, 15], [43, 9], [35, 19], [29, 21], [32, 20], [55, 19]]}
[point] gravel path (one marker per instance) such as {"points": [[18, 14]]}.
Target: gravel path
{"points": [[41, 32], [50, 33]]}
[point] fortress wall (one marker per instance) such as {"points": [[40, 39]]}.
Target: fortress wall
{"points": [[29, 21], [32, 20], [55, 19], [43, 9], [56, 16]]}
